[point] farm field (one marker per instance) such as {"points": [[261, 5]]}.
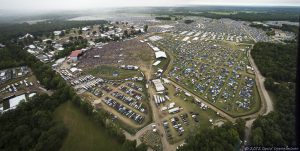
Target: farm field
{"points": [[80, 126]]}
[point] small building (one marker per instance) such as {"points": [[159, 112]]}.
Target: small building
{"points": [[57, 33], [160, 54], [85, 29], [2, 46], [74, 55], [158, 85]]}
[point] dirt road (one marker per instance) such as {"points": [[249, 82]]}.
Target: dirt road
{"points": [[267, 104]]}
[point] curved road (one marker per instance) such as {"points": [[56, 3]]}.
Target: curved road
{"points": [[267, 104]]}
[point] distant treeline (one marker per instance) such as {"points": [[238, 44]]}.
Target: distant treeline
{"points": [[9, 31], [277, 62], [269, 16], [284, 27], [163, 18]]}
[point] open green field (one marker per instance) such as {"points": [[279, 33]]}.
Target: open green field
{"points": [[83, 135], [106, 72]]}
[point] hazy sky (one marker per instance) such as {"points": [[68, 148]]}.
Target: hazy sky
{"points": [[87, 4]]}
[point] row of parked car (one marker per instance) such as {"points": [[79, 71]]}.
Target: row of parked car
{"points": [[129, 100], [131, 92], [123, 110]]}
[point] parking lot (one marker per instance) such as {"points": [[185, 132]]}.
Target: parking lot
{"points": [[17, 87], [182, 115]]}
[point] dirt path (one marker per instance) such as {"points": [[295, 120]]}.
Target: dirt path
{"points": [[166, 146], [261, 79], [137, 135], [267, 104]]}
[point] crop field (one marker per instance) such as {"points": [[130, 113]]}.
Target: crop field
{"points": [[216, 71]]}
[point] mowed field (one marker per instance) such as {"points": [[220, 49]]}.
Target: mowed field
{"points": [[84, 135]]}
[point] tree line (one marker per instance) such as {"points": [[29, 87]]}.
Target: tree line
{"points": [[225, 138], [270, 32], [11, 31], [278, 127]]}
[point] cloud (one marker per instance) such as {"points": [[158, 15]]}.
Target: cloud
{"points": [[88, 4]]}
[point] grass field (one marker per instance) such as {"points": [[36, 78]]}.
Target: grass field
{"points": [[83, 133], [106, 72]]}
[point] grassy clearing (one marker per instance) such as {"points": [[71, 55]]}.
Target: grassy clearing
{"points": [[83, 133], [106, 72]]}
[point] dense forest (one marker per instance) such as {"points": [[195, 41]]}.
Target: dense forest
{"points": [[31, 126], [9, 31], [163, 18], [277, 62], [224, 138]]}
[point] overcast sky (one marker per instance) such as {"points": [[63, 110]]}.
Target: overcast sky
{"points": [[88, 4]]}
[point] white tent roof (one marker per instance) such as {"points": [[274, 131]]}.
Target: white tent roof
{"points": [[160, 54], [13, 102], [158, 85], [156, 63]]}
